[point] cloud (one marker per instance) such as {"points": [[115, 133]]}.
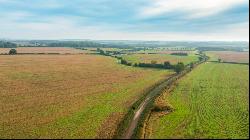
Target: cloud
{"points": [[193, 8], [65, 28], [108, 19], [32, 4]]}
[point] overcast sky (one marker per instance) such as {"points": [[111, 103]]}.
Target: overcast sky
{"points": [[198, 20]]}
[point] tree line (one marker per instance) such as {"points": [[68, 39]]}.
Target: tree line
{"points": [[166, 65], [180, 54], [179, 67], [5, 44]]}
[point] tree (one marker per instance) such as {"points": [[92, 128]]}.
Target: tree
{"points": [[192, 65], [12, 52], [200, 58], [179, 67], [129, 64], [124, 62], [167, 65], [102, 52], [4, 44], [98, 50]]}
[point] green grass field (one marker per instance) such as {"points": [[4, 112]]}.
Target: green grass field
{"points": [[160, 58], [210, 102]]}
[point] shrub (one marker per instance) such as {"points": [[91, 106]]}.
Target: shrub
{"points": [[200, 58], [102, 52], [179, 67], [12, 52], [129, 64], [118, 57], [124, 62], [167, 65], [98, 49], [191, 65]]}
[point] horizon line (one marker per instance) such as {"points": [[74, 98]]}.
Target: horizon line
{"points": [[129, 40]]}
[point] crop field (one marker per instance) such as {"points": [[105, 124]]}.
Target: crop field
{"points": [[166, 51], [113, 49], [210, 102], [68, 96], [230, 56], [160, 58], [60, 50], [4, 50]]}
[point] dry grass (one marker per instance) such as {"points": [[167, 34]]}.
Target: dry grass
{"points": [[66, 96]]}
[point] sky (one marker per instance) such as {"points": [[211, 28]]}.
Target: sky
{"points": [[168, 20]]}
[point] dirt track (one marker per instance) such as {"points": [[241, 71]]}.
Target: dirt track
{"points": [[151, 96], [137, 115]]}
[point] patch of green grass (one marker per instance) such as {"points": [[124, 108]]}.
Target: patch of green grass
{"points": [[213, 57], [210, 102]]}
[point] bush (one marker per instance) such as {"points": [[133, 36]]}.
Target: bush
{"points": [[98, 49], [124, 62], [12, 52], [129, 64], [118, 57], [192, 65], [200, 58], [167, 65], [102, 52], [179, 67]]}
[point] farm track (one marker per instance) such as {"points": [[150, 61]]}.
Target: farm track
{"points": [[146, 103], [141, 108]]}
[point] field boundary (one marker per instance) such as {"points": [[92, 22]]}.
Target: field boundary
{"points": [[46, 54], [230, 62]]}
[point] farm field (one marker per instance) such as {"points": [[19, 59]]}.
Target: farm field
{"points": [[60, 50], [167, 51], [68, 96], [229, 56], [160, 58], [210, 102]]}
